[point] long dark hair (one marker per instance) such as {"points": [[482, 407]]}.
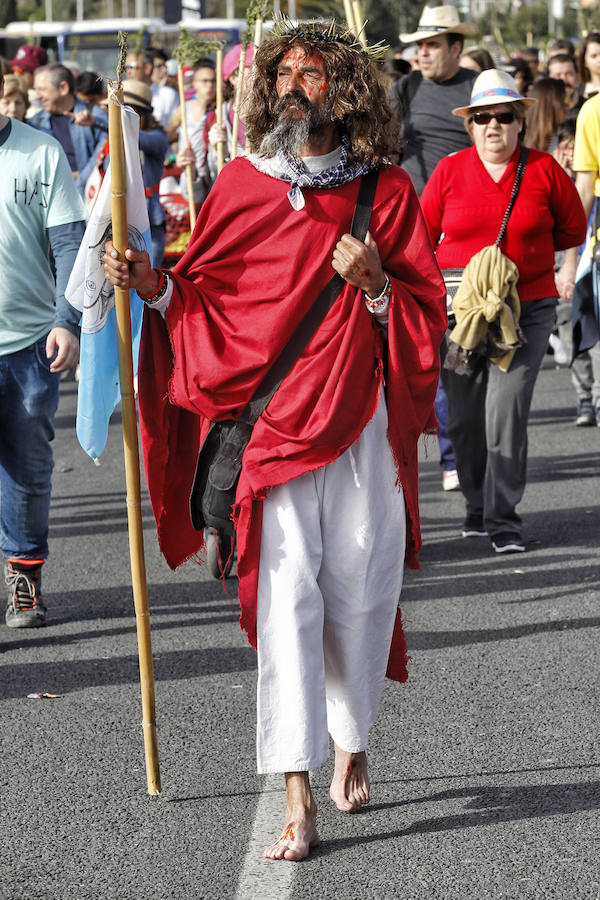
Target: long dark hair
{"points": [[592, 38], [355, 91], [544, 119]]}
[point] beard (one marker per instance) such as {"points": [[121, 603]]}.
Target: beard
{"points": [[292, 131]]}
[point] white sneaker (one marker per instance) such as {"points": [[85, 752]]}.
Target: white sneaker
{"points": [[560, 354], [508, 543], [450, 480]]}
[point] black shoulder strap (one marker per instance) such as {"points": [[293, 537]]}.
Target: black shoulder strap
{"points": [[317, 312], [518, 179]]}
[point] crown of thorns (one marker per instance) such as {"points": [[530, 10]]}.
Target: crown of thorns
{"points": [[321, 33]]}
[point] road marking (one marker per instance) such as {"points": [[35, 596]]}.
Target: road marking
{"points": [[266, 879]]}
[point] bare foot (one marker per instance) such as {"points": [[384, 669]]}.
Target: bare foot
{"points": [[300, 834], [350, 788]]}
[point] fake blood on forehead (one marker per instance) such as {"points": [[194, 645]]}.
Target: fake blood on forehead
{"points": [[296, 57]]}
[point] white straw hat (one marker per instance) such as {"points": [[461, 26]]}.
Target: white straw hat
{"points": [[436, 20], [491, 87]]}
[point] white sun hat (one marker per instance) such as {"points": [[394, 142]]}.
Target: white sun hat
{"points": [[491, 87], [436, 20]]}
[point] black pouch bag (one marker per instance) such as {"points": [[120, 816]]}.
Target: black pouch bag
{"points": [[220, 459], [217, 475]]}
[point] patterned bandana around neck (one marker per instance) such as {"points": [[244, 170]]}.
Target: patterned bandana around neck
{"points": [[291, 169]]}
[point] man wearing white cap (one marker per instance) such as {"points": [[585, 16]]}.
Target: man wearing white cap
{"points": [[423, 101]]}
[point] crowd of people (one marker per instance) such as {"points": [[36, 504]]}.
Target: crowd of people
{"points": [[449, 191]]}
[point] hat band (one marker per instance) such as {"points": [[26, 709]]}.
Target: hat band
{"points": [[436, 27], [137, 100], [496, 92]]}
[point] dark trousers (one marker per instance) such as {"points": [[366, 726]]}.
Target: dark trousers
{"points": [[487, 423]]}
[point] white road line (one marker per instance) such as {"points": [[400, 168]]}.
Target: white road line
{"points": [[266, 879]]}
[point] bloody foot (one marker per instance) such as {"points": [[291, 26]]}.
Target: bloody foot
{"points": [[350, 788], [300, 833]]}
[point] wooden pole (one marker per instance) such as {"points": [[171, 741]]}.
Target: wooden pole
{"points": [[184, 128], [130, 442], [219, 110], [359, 29], [258, 31], [238, 102], [258, 36], [349, 13]]}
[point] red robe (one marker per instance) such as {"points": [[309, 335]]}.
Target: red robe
{"points": [[252, 269]]}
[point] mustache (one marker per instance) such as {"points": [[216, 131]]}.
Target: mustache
{"points": [[294, 98]]}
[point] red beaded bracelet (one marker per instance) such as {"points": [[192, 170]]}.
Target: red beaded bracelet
{"points": [[159, 287]]}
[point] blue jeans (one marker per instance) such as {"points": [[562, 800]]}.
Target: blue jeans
{"points": [[28, 402], [447, 460]]}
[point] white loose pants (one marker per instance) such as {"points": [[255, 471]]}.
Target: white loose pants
{"points": [[331, 567]]}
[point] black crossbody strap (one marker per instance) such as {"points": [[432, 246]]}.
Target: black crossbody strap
{"points": [[317, 312], [518, 179]]}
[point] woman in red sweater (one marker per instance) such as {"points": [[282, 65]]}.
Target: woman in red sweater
{"points": [[464, 203]]}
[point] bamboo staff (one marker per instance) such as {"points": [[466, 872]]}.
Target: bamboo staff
{"points": [[359, 29], [190, 50], [235, 127], [184, 127], [130, 435], [258, 31], [219, 110], [256, 10], [349, 13], [258, 37]]}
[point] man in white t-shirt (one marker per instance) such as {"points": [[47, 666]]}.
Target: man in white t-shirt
{"points": [[40, 210]]}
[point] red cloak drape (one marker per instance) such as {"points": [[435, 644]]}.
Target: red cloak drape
{"points": [[252, 269]]}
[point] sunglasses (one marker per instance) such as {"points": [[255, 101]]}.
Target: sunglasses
{"points": [[484, 118]]}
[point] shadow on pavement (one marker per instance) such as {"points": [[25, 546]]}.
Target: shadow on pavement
{"points": [[463, 776], [64, 676], [434, 640], [485, 806], [50, 637]]}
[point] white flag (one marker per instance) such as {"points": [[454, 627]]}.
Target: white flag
{"points": [[90, 293]]}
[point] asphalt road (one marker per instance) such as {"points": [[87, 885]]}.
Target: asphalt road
{"points": [[486, 765]]}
